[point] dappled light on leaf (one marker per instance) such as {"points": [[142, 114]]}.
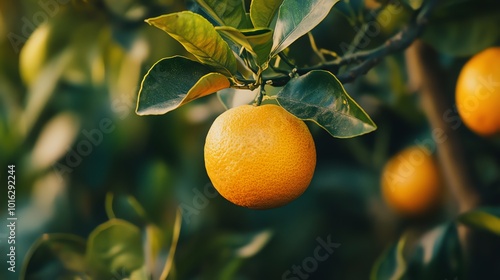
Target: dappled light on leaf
{"points": [[199, 37]]}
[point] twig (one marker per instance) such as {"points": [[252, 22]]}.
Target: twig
{"points": [[369, 58]]}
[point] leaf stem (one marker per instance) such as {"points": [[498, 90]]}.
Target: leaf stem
{"points": [[286, 60]]}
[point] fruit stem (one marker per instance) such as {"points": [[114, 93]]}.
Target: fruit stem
{"points": [[260, 96]]}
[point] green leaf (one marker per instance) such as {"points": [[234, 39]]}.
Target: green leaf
{"points": [[262, 12], [391, 265], [175, 81], [296, 18], [319, 97], [437, 255], [114, 246], [486, 218], [199, 38], [257, 41], [64, 253], [228, 12]]}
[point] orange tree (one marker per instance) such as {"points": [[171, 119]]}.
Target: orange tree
{"points": [[237, 49], [292, 61]]}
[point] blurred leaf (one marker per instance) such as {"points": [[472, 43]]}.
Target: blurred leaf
{"points": [[199, 38], [221, 254], [154, 244], [173, 82], [391, 265], [262, 12], [139, 274], [486, 218], [169, 264], [87, 63], [414, 4], [232, 250], [438, 255], [64, 253], [296, 18], [156, 188], [42, 89], [254, 244], [319, 97], [463, 28], [231, 97], [46, 42], [54, 140], [257, 41], [114, 246], [230, 12], [35, 53], [127, 9], [124, 207], [229, 269]]}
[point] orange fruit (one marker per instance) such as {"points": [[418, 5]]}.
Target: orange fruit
{"points": [[478, 92], [259, 157], [411, 182]]}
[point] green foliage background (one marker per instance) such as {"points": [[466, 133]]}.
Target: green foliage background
{"points": [[113, 213]]}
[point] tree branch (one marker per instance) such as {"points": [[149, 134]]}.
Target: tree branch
{"points": [[367, 59], [424, 72]]}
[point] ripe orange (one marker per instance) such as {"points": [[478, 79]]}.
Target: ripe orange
{"points": [[259, 157], [411, 182], [478, 92]]}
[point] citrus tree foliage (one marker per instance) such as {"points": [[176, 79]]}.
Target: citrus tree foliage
{"points": [[244, 50], [63, 79]]}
